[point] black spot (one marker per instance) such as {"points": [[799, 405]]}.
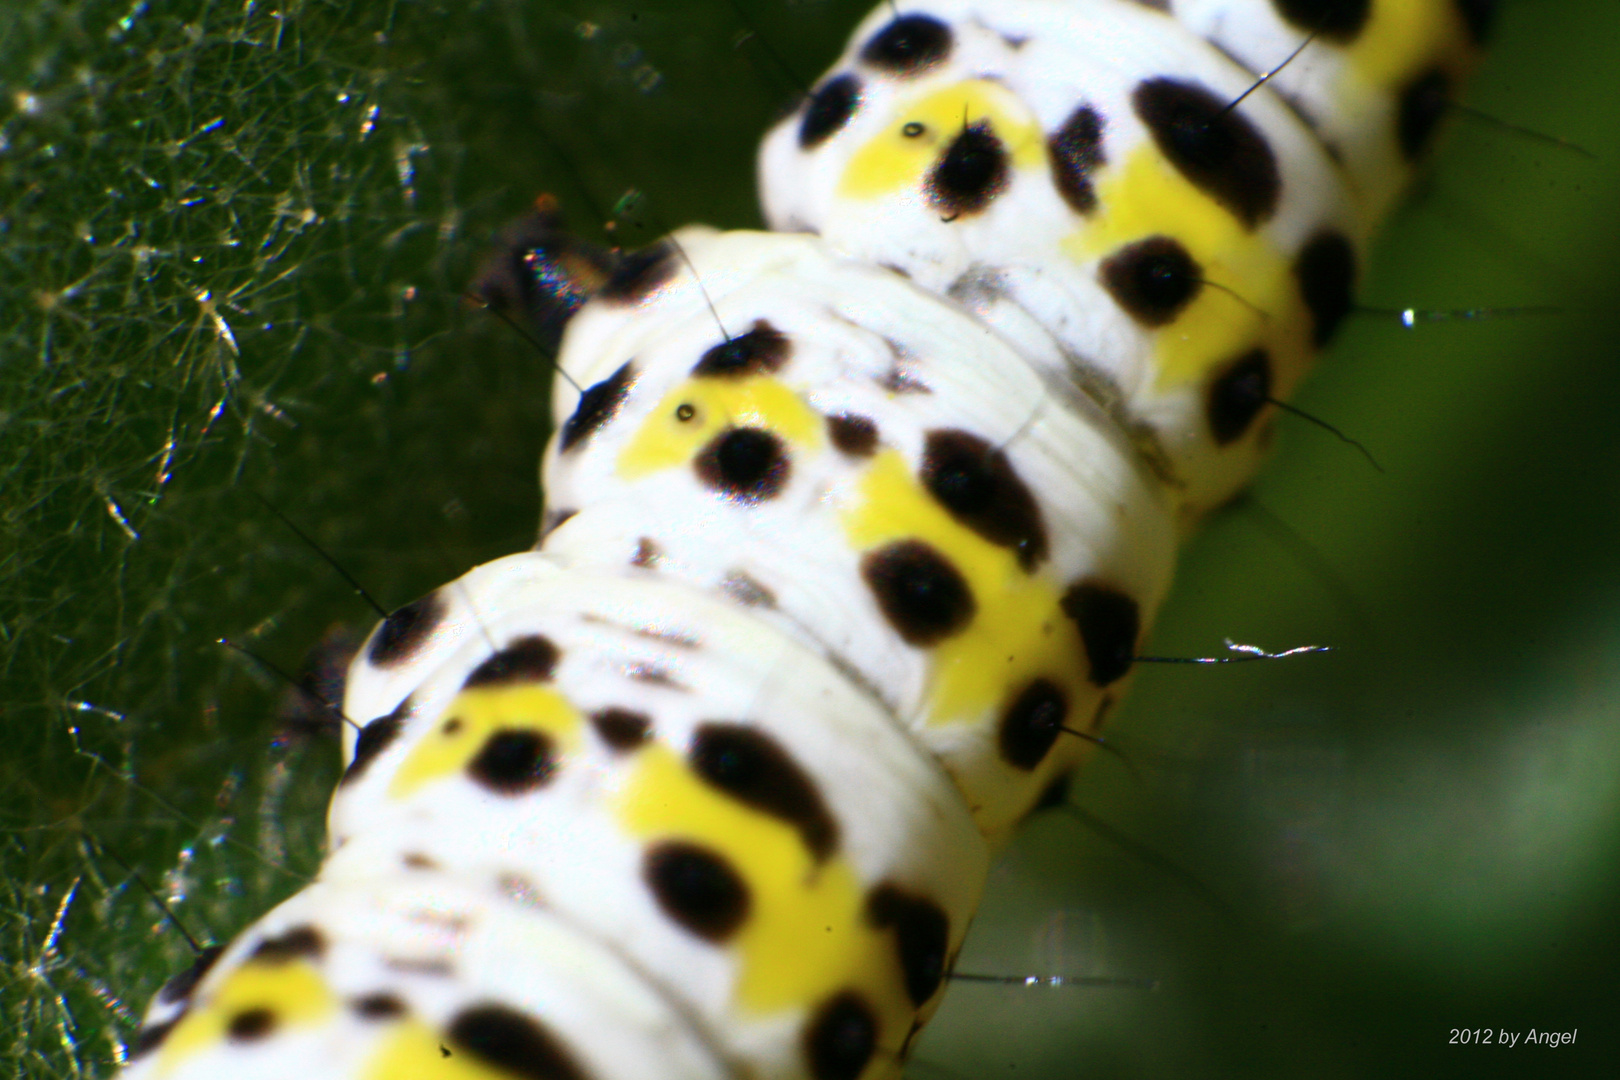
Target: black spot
{"points": [[1032, 724], [976, 483], [856, 436], [622, 729], [697, 888], [761, 351], [971, 173], [1076, 150], [922, 932], [1421, 108], [405, 631], [250, 1025], [301, 942], [909, 45], [378, 735], [524, 660], [924, 597], [647, 554], [415, 860], [1153, 280], [841, 1039], [378, 1006], [150, 1038], [1335, 20], [1109, 623], [1238, 394], [514, 761], [746, 464], [1326, 271], [1479, 16], [179, 987], [747, 590], [829, 110], [754, 769], [597, 406], [1218, 151], [639, 274], [517, 1045]]}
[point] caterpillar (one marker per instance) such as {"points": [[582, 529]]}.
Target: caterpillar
{"points": [[70, 924]]}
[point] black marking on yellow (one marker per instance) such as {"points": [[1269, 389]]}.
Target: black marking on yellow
{"points": [[697, 888], [405, 631], [515, 761], [519, 1046], [909, 45], [532, 658], [922, 933], [841, 1039], [748, 465], [1153, 280], [1237, 395], [1326, 271], [977, 484], [1109, 624], [829, 110], [250, 1025], [640, 273], [924, 597], [1217, 149], [755, 770], [1335, 20], [854, 435], [1032, 724], [301, 942], [1423, 104], [970, 174], [1076, 150], [598, 405], [763, 350], [622, 729]]}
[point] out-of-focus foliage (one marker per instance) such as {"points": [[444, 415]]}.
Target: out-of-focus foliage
{"points": [[233, 242]]}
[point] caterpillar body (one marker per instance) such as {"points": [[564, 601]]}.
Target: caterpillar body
{"points": [[850, 539]]}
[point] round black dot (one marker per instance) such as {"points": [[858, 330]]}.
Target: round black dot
{"points": [[685, 411], [909, 45], [841, 1039], [1216, 148], [1109, 623], [518, 1046], [1326, 272], [250, 1025], [854, 435], [378, 1006], [913, 130], [622, 729], [1335, 20], [978, 485], [1422, 106], [1153, 280], [746, 464], [923, 596], [597, 406], [754, 768], [829, 109], [1237, 395], [697, 888], [1076, 152], [1032, 724], [513, 762], [970, 174], [406, 631], [922, 933]]}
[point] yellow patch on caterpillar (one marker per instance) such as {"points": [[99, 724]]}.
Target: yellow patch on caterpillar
{"points": [[473, 717], [699, 409]]}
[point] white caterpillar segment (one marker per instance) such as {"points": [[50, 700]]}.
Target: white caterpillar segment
{"points": [[419, 976], [875, 471], [1072, 166]]}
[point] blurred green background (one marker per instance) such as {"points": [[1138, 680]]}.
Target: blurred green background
{"points": [[233, 239]]}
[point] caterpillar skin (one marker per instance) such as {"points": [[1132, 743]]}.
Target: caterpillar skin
{"points": [[849, 539]]}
